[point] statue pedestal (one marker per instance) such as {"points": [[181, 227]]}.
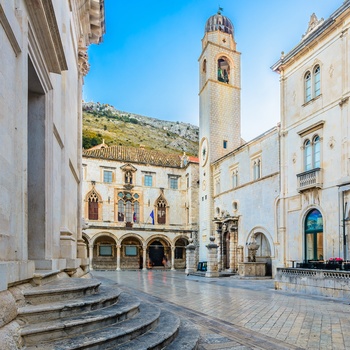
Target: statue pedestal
{"points": [[252, 269]]}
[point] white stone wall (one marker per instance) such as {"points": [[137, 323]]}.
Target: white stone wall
{"points": [[219, 120], [178, 200], [40, 124], [253, 201], [326, 116]]}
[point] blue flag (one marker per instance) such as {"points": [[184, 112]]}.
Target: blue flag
{"points": [[152, 216]]}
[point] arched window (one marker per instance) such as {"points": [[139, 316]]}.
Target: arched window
{"points": [[317, 152], [314, 236], [136, 217], [204, 67], [93, 206], [161, 212], [257, 169], [223, 70], [307, 82], [317, 81], [307, 155], [312, 153], [121, 211]]}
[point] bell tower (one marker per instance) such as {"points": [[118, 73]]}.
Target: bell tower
{"points": [[219, 113]]}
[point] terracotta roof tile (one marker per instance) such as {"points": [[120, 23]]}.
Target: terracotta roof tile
{"points": [[135, 155]]}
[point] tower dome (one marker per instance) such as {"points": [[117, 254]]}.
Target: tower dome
{"points": [[219, 22]]}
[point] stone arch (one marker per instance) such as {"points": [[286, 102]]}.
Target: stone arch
{"points": [[93, 205], [104, 251], [158, 246], [86, 240], [321, 241], [224, 66], [266, 250], [131, 251], [180, 244]]}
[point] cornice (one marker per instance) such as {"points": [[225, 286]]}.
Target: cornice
{"points": [[43, 20]]}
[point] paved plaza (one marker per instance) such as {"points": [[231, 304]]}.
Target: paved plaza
{"points": [[234, 313]]}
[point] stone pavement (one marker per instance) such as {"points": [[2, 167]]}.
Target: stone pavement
{"points": [[242, 314]]}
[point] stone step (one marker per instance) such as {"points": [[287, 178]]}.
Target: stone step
{"points": [[187, 338], [85, 322], [61, 289], [107, 337], [52, 311], [157, 338]]}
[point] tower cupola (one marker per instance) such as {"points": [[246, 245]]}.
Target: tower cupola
{"points": [[218, 22]]}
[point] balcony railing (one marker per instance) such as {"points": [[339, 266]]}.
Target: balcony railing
{"points": [[310, 179]]}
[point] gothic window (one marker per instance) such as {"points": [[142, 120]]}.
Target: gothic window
{"points": [[256, 169], [121, 211], [223, 70], [161, 212], [317, 80], [307, 82], [93, 206], [107, 176], [128, 211], [136, 217]]}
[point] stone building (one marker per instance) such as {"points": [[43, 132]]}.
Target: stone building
{"points": [[314, 152], [287, 189], [43, 59], [139, 206]]}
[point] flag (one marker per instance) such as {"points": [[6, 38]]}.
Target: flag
{"points": [[152, 216]]}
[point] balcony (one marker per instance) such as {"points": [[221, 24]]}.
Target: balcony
{"points": [[310, 179]]}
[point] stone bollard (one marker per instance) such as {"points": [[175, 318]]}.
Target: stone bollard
{"points": [[190, 258], [212, 264]]}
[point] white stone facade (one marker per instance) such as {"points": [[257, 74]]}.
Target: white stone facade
{"points": [[164, 185], [288, 188], [43, 61]]}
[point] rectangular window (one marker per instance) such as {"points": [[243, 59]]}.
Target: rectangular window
{"points": [[131, 251], [148, 180], [105, 250], [179, 252], [173, 183], [234, 178], [107, 176], [225, 144]]}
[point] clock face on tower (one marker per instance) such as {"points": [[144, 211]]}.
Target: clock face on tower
{"points": [[204, 151]]}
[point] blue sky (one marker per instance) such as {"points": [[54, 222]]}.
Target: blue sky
{"points": [[148, 61]]}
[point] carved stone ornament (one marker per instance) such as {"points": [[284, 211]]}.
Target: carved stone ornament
{"points": [[83, 63], [313, 23]]}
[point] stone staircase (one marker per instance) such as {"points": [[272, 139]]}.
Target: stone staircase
{"points": [[86, 313]]}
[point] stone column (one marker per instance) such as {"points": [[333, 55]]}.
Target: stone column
{"points": [[233, 248], [118, 256], [190, 258], [219, 234], [91, 255], [144, 257], [212, 263], [240, 254], [173, 258]]}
